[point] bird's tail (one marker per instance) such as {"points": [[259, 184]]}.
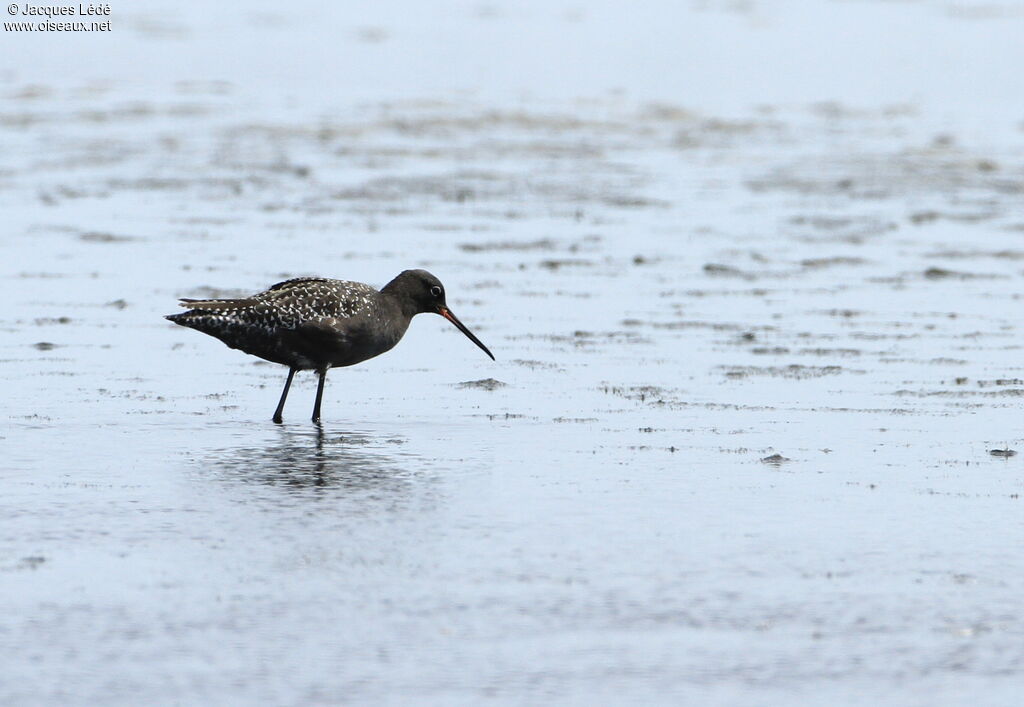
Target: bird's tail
{"points": [[201, 312], [215, 305]]}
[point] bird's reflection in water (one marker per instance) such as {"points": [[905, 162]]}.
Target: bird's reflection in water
{"points": [[313, 460]]}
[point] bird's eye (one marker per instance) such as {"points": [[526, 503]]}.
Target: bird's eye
{"points": [[435, 291]]}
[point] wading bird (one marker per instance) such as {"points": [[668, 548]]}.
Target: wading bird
{"points": [[313, 323]]}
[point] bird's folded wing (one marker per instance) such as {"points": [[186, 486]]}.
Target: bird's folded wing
{"points": [[327, 331]]}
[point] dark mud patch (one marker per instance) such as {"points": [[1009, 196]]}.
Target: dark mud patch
{"points": [[976, 254], [485, 285], [537, 365], [586, 339], [833, 261], [212, 187], [711, 325], [483, 384], [719, 270], [961, 393], [458, 187], [101, 237], [30, 562], [840, 313], [944, 274], [752, 292], [840, 352], [999, 382], [822, 228], [41, 275], [515, 246], [480, 187], [631, 202], [646, 447], [639, 393], [924, 217], [554, 264], [883, 175], [445, 122], [794, 371], [723, 133]]}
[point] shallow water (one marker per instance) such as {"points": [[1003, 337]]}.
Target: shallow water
{"points": [[754, 358]]}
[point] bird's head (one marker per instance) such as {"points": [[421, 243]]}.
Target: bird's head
{"points": [[423, 293]]}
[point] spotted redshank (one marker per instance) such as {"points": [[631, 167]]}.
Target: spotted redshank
{"points": [[313, 323]]}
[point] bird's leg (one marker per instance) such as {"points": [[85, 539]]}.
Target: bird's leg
{"points": [[319, 395], [284, 395]]}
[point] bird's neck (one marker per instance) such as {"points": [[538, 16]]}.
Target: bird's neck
{"points": [[395, 293]]}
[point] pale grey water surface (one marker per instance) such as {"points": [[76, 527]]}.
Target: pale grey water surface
{"points": [[752, 273]]}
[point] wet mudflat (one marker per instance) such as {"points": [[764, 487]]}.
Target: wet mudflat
{"points": [[748, 438]]}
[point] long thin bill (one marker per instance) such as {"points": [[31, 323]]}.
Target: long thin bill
{"points": [[447, 314]]}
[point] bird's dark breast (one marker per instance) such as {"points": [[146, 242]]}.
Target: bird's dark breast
{"points": [[333, 343]]}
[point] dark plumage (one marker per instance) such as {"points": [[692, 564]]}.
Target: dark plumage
{"points": [[314, 323]]}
